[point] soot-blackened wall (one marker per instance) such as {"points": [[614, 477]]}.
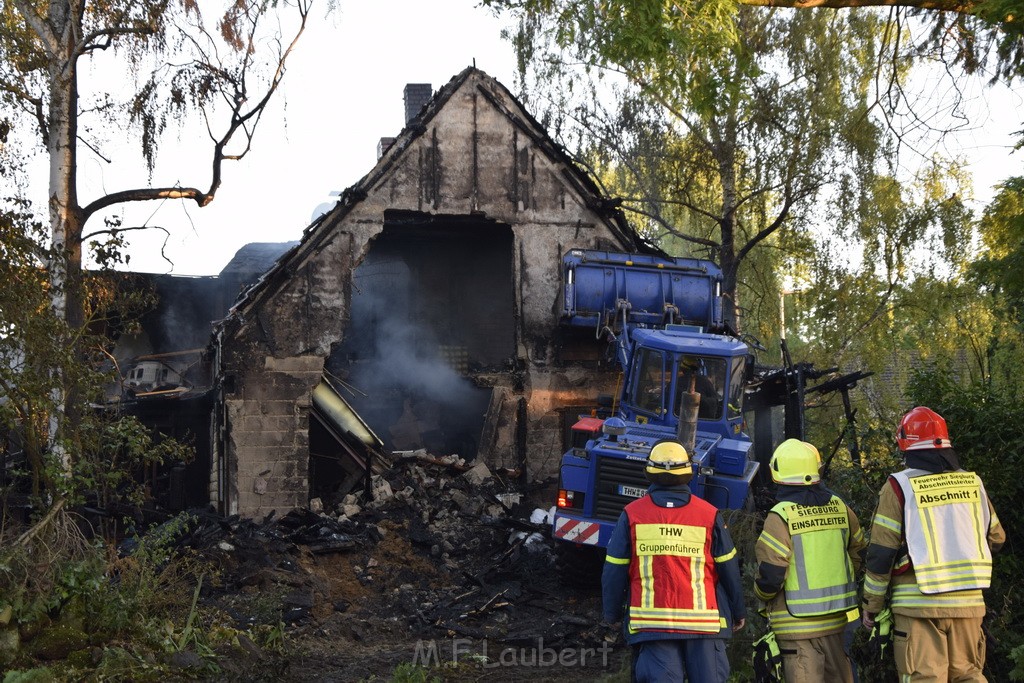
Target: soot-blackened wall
{"points": [[441, 269]]}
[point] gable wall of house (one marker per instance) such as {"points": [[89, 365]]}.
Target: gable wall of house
{"points": [[469, 160]]}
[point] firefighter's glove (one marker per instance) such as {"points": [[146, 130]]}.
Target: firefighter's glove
{"points": [[767, 660], [880, 640], [608, 632]]}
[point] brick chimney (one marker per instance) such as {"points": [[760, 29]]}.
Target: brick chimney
{"points": [[416, 95], [383, 145]]}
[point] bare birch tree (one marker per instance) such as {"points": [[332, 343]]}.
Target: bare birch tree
{"points": [[230, 68], [178, 62]]}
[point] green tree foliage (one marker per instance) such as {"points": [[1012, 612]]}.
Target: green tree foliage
{"points": [[975, 35], [919, 296], [721, 139], [868, 289], [45, 360], [1000, 267], [27, 380], [887, 291], [998, 273]]}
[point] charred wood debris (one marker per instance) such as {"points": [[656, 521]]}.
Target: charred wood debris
{"points": [[443, 549]]}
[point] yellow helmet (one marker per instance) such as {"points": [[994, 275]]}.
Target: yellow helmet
{"points": [[814, 449], [669, 458], [795, 463]]}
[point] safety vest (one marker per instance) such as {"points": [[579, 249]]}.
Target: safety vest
{"points": [[672, 570], [945, 521], [820, 579]]}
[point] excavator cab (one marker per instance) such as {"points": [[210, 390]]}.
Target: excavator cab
{"points": [[666, 364]]}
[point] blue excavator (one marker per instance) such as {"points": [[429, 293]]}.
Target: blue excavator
{"points": [[685, 376]]}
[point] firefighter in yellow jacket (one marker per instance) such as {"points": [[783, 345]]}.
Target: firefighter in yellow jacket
{"points": [[808, 555], [931, 547]]}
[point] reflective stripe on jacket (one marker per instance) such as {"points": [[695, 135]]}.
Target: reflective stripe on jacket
{"points": [[946, 524], [672, 570], [821, 577]]}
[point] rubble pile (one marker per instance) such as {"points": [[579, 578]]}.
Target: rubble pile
{"points": [[443, 551]]}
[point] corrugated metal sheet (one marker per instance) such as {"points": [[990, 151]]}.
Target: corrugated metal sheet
{"points": [[340, 413]]}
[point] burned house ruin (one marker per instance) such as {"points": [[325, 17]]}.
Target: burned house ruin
{"points": [[419, 312], [166, 369]]}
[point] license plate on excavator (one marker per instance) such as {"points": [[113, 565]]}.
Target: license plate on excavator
{"points": [[632, 491]]}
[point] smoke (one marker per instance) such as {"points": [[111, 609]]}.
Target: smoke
{"points": [[393, 353], [404, 357]]}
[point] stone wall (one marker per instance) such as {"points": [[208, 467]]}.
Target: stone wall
{"points": [[477, 154], [268, 428]]}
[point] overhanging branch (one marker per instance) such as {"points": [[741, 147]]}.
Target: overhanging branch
{"points": [[663, 223], [243, 120], [115, 231], [781, 218], [88, 43], [939, 5], [144, 195]]}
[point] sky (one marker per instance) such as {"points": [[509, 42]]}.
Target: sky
{"points": [[342, 93]]}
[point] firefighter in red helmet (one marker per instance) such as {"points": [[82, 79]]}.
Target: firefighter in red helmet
{"points": [[930, 555]]}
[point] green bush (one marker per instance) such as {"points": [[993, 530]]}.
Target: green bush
{"points": [[127, 613]]}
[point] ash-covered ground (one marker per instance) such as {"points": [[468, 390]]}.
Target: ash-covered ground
{"points": [[450, 567]]}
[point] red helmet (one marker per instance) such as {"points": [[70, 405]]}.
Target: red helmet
{"points": [[922, 428]]}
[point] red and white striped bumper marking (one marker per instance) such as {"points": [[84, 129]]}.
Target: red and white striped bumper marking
{"points": [[576, 531]]}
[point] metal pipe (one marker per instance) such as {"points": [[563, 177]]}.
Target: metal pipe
{"points": [[689, 406], [659, 266]]}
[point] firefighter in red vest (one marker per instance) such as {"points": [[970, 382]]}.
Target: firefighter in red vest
{"points": [[931, 547], [671, 569]]}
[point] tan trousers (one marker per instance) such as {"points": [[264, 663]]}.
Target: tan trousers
{"points": [[939, 650], [815, 660]]}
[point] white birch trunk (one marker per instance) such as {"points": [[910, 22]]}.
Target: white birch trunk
{"points": [[65, 221]]}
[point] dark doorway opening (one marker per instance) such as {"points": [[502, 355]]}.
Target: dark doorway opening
{"points": [[432, 307]]}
